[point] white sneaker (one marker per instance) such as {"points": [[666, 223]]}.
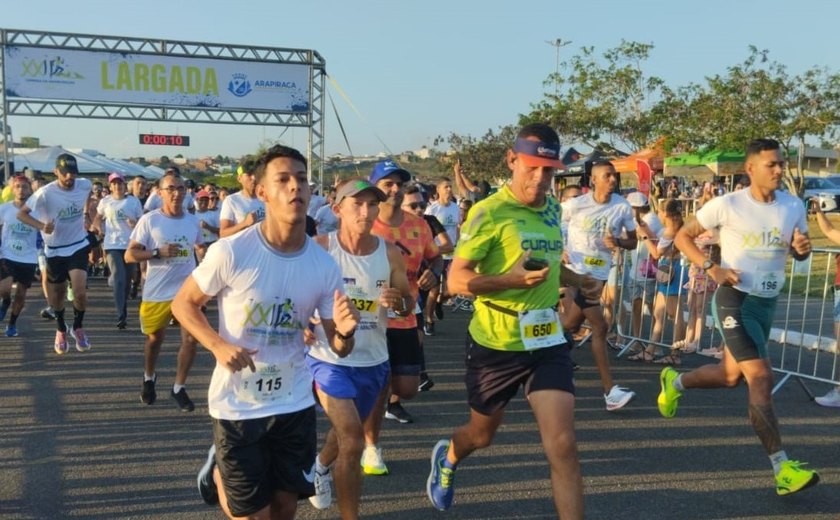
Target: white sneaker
{"points": [[831, 399], [618, 397], [372, 463], [322, 498]]}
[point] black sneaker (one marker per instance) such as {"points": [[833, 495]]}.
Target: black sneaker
{"points": [[429, 328], [206, 484], [122, 324], [148, 395], [426, 383], [396, 412], [183, 400], [47, 313], [439, 310]]}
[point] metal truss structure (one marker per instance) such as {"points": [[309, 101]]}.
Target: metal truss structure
{"points": [[313, 120]]}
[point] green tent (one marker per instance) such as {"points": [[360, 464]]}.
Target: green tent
{"points": [[705, 164]]}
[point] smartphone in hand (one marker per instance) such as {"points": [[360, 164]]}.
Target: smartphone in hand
{"points": [[535, 264]]}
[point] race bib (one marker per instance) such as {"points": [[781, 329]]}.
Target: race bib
{"points": [[183, 256], [271, 383], [594, 261], [540, 328], [767, 283]]}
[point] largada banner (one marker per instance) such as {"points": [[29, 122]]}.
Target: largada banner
{"points": [[145, 79]]}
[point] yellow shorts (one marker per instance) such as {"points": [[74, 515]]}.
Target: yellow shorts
{"points": [[154, 316]]}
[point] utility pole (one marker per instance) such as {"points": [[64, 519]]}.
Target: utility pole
{"points": [[559, 42]]}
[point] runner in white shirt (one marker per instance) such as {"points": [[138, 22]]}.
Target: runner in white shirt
{"points": [[58, 211], [375, 278], [167, 239], [243, 208], [325, 218], [19, 252], [116, 216], [269, 281], [758, 227], [209, 220], [596, 220], [154, 201]]}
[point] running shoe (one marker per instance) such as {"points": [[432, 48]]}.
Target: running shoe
{"points": [[11, 331], [831, 399], [81, 339], [122, 324], [148, 394], [70, 294], [440, 484], [668, 396], [618, 398], [183, 400], [372, 463], [48, 313], [793, 477], [322, 498], [429, 328], [206, 484], [60, 342], [396, 412], [426, 382]]}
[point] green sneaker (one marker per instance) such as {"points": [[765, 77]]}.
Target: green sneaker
{"points": [[793, 478], [669, 396]]}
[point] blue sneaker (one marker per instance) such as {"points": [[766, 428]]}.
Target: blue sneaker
{"points": [[11, 331], [440, 485]]}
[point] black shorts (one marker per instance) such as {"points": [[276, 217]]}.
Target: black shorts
{"points": [[404, 351], [493, 376], [743, 321], [258, 457], [59, 267], [21, 273]]}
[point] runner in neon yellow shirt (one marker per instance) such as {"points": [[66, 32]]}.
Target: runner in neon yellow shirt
{"points": [[508, 257]]}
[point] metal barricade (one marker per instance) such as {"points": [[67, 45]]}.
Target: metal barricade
{"points": [[802, 342]]}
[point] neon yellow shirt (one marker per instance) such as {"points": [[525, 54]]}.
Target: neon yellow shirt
{"points": [[496, 233], [7, 195]]}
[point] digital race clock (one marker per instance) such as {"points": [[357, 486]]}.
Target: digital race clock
{"points": [[165, 140]]}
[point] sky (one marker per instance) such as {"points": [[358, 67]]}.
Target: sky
{"points": [[416, 70]]}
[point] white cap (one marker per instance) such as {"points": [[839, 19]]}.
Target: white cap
{"points": [[637, 199]]}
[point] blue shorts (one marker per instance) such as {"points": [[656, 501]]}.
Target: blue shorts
{"points": [[361, 384]]}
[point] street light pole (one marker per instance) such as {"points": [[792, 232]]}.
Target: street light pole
{"points": [[559, 42]]}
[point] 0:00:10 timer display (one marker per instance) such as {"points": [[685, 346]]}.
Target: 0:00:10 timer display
{"points": [[165, 140]]}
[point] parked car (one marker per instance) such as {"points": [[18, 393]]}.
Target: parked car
{"points": [[824, 190]]}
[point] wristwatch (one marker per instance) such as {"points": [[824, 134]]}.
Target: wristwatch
{"points": [[155, 253], [345, 337], [708, 264]]}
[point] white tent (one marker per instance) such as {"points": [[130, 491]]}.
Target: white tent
{"points": [[43, 160]]}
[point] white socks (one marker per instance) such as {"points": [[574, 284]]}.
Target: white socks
{"points": [[776, 459]]}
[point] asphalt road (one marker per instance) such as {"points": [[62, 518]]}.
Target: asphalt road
{"points": [[75, 442]]}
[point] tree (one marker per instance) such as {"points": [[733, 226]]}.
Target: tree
{"points": [[605, 102], [483, 158], [756, 98]]}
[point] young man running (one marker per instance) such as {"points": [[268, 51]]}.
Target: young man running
{"points": [[758, 227], [19, 252], [509, 259], [269, 280], [348, 387], [60, 210]]}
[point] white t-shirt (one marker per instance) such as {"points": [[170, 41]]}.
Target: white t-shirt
{"points": [[67, 210], [237, 206], [115, 214], [265, 301], [212, 218], [19, 241], [589, 222], [316, 202], [326, 220], [165, 275], [755, 237], [449, 216], [364, 277], [642, 252], [155, 202]]}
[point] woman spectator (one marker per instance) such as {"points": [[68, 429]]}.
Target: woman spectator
{"points": [[699, 288], [670, 278]]}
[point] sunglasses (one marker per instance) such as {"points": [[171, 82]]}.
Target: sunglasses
{"points": [[415, 205]]}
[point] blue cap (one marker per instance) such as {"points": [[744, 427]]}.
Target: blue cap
{"points": [[385, 168]]}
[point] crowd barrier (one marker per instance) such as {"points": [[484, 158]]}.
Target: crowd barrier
{"points": [[646, 312]]}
